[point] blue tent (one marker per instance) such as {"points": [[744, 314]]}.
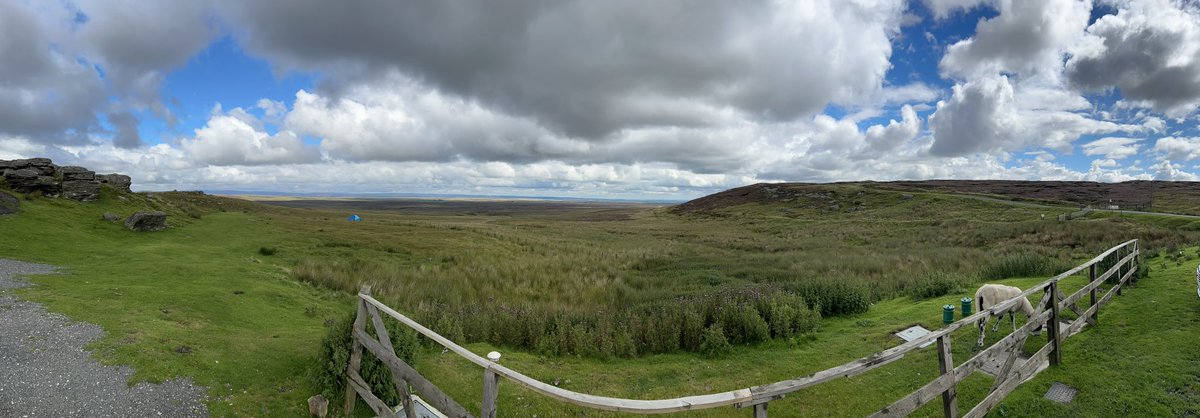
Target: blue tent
{"points": [[354, 218]]}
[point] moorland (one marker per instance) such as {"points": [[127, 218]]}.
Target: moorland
{"points": [[744, 287]]}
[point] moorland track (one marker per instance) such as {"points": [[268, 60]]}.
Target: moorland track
{"points": [[45, 370]]}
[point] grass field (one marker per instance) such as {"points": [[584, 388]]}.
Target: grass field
{"points": [[250, 289]]}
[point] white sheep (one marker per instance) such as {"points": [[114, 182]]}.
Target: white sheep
{"points": [[990, 295]]}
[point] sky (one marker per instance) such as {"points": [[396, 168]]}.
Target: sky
{"points": [[628, 99]]}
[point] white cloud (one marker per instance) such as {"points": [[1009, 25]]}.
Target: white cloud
{"points": [[586, 69], [1166, 171], [989, 114], [1177, 149], [1027, 37], [1149, 50], [944, 8], [229, 140], [1112, 148]]}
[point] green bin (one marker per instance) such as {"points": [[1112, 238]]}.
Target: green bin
{"points": [[966, 307], [947, 314]]}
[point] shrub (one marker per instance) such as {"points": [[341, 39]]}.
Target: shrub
{"points": [[833, 297], [743, 325], [691, 329], [334, 355], [267, 250], [1024, 264], [714, 342], [937, 284]]}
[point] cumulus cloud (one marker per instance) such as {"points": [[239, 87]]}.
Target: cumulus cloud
{"points": [[66, 62], [229, 140], [987, 115], [1027, 37], [586, 69], [1177, 149], [46, 94], [1112, 148], [944, 8], [1167, 171], [1149, 50]]}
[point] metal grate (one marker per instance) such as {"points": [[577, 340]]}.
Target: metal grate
{"points": [[1061, 393]]}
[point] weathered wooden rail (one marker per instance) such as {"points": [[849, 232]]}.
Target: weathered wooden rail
{"points": [[1047, 312]]}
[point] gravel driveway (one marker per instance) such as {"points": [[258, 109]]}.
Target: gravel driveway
{"points": [[45, 371]]}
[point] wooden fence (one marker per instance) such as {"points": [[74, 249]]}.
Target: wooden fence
{"points": [[1009, 349]]}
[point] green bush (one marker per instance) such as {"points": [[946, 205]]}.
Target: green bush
{"points": [[714, 342], [832, 297], [333, 357], [937, 284], [743, 325], [1024, 264]]}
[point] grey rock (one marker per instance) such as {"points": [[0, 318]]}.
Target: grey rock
{"points": [[81, 190], [146, 221], [9, 204], [117, 181], [73, 172], [29, 180], [43, 166], [111, 217]]}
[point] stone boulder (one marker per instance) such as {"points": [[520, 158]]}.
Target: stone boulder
{"points": [[43, 166], [9, 204], [81, 190], [146, 221], [29, 180], [117, 181], [79, 184], [111, 217], [73, 172]]}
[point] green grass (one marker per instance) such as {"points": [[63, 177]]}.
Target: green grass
{"points": [[201, 284], [254, 329]]}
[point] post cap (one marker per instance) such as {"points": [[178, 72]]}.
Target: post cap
{"points": [[494, 356]]}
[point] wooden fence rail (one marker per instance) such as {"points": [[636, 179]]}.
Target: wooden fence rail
{"points": [[1047, 313]]}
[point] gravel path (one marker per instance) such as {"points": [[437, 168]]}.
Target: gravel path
{"points": [[45, 371]]}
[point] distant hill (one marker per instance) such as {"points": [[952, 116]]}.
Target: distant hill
{"points": [[1157, 196]]}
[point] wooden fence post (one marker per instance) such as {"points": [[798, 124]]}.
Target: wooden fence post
{"points": [[946, 365], [351, 397], [760, 410], [1091, 278], [491, 388], [1052, 324]]}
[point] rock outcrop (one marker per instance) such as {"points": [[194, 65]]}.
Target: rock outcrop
{"points": [[79, 184], [146, 221], [117, 181], [9, 204], [28, 180], [71, 182]]}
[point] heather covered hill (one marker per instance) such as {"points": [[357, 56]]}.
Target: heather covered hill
{"points": [[1154, 196]]}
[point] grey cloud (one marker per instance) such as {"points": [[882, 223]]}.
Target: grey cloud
{"points": [[976, 118], [50, 87], [576, 66], [1028, 37], [44, 95], [126, 135], [1147, 53]]}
